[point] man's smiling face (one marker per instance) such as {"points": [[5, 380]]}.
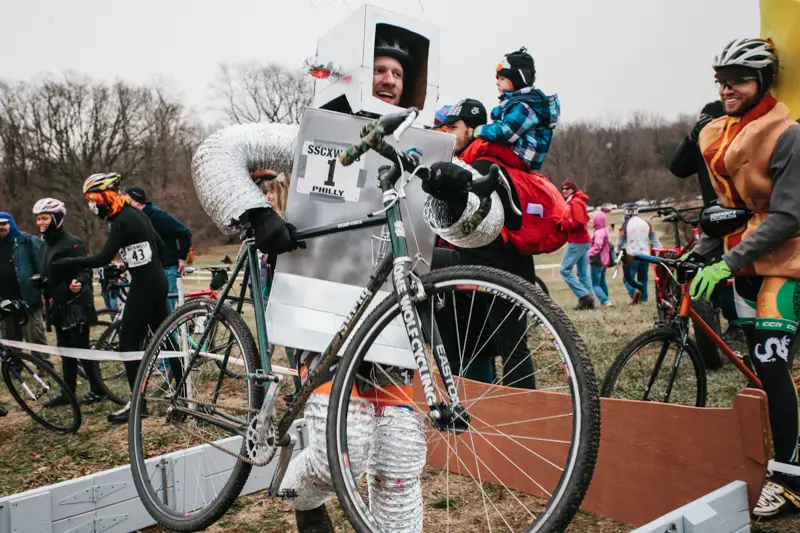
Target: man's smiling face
{"points": [[387, 80]]}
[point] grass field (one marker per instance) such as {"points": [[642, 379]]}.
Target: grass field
{"points": [[31, 456]]}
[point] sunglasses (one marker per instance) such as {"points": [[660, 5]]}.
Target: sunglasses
{"points": [[733, 83], [566, 188]]}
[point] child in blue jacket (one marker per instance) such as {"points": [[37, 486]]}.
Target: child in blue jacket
{"points": [[526, 117]]}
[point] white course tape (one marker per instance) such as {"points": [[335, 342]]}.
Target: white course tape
{"points": [[107, 355]]}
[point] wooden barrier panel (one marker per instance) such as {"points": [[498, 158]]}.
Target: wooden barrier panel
{"points": [[653, 457]]}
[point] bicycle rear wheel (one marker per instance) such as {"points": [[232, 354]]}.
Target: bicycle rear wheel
{"points": [[645, 369], [179, 494], [32, 383], [531, 474]]}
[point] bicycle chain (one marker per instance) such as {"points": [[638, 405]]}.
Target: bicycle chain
{"points": [[273, 449]]}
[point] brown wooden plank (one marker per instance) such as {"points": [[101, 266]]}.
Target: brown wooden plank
{"points": [[653, 458]]}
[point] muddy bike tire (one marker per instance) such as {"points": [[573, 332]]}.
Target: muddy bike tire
{"points": [[209, 514], [570, 490], [45, 372], [656, 336]]}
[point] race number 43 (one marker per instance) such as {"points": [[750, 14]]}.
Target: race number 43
{"points": [[325, 176], [137, 255]]}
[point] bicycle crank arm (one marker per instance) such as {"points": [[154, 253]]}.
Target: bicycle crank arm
{"points": [[265, 419], [284, 459]]}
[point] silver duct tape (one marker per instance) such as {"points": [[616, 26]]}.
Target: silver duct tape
{"points": [[222, 164], [396, 463], [309, 474], [440, 218]]}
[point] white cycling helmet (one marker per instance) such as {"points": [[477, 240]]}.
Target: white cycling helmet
{"points": [[53, 207], [750, 53]]}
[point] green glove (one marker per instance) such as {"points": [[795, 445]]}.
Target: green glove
{"points": [[704, 282]]}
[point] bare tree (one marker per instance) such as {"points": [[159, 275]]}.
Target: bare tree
{"points": [[56, 132], [255, 92]]}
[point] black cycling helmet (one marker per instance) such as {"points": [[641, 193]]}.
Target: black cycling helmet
{"points": [[394, 47]]}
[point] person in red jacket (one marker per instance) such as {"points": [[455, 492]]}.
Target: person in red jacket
{"points": [[576, 254]]}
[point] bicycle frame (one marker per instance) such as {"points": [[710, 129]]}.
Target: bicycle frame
{"points": [[406, 288], [686, 312]]}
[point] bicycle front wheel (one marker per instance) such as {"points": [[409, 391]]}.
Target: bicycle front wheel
{"points": [[32, 383], [649, 369], [483, 464], [188, 445]]}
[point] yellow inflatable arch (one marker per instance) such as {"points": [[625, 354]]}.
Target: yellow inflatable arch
{"points": [[780, 21]]}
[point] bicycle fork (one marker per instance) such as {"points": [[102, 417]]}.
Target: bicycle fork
{"points": [[420, 327]]}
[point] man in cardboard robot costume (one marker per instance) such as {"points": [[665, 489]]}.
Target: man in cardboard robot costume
{"points": [[379, 427], [386, 438]]}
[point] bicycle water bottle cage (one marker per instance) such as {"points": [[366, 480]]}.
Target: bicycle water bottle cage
{"points": [[718, 221]]}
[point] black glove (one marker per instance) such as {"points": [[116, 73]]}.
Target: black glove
{"points": [[273, 235], [693, 257], [448, 182], [699, 125]]}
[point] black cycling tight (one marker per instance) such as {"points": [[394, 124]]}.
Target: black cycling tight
{"points": [[144, 308], [768, 310], [76, 337]]}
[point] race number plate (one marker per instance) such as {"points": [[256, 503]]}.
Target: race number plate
{"points": [[314, 289], [137, 255], [323, 175]]}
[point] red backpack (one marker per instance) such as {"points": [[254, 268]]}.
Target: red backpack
{"points": [[543, 208]]}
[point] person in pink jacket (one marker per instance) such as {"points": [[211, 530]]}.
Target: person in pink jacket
{"points": [[600, 257]]}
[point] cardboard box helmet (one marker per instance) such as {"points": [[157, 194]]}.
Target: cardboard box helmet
{"points": [[355, 44]]}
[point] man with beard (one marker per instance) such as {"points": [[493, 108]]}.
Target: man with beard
{"points": [[753, 157], [447, 184]]}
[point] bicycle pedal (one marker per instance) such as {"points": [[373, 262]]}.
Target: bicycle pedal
{"points": [[260, 377], [287, 494]]}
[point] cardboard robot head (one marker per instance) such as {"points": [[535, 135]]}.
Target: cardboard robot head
{"points": [[353, 45]]}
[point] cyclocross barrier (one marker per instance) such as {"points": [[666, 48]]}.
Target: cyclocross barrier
{"points": [[107, 502]]}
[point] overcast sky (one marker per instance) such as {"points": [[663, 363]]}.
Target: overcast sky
{"points": [[605, 59]]}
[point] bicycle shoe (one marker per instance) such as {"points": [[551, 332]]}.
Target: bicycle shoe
{"points": [[93, 397], [3, 410], [58, 401], [121, 416], [734, 334], [314, 521], [775, 500]]}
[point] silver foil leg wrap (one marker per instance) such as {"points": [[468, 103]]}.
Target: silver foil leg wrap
{"points": [[397, 460], [309, 474], [222, 164]]}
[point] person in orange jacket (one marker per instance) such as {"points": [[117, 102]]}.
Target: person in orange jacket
{"points": [[576, 253]]}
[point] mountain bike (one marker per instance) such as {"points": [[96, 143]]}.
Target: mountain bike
{"points": [[644, 358], [248, 420], [668, 293], [32, 381]]}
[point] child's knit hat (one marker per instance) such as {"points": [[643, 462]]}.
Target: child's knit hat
{"points": [[518, 67]]}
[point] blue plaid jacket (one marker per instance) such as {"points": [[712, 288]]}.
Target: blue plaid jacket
{"points": [[526, 119]]}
